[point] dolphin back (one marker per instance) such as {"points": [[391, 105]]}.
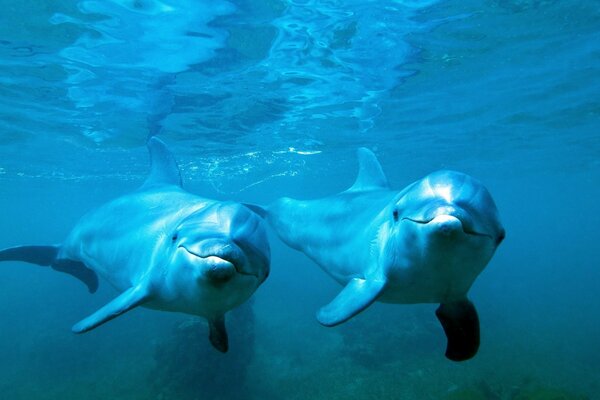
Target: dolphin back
{"points": [[303, 224]]}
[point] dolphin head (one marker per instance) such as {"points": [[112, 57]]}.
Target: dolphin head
{"points": [[220, 255], [446, 225], [452, 201]]}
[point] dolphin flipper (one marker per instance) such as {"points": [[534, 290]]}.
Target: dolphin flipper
{"points": [[461, 325], [218, 334], [355, 297], [47, 256], [127, 300]]}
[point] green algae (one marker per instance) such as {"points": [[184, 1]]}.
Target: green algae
{"points": [[468, 393], [480, 392], [548, 393]]}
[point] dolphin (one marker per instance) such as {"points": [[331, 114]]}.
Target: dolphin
{"points": [[163, 248], [424, 244]]}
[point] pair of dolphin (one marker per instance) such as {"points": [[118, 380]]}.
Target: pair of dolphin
{"points": [[167, 249]]}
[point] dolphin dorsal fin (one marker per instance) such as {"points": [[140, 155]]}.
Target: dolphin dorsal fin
{"points": [[259, 210], [163, 167], [370, 175]]}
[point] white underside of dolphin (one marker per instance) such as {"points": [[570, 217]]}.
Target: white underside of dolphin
{"points": [[163, 248], [425, 244]]}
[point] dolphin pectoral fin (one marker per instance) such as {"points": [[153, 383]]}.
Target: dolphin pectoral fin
{"points": [[46, 256], [78, 270], [461, 325], [127, 300], [355, 297], [218, 334]]}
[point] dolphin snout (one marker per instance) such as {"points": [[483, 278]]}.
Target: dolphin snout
{"points": [[219, 270], [448, 218], [447, 224], [221, 255]]}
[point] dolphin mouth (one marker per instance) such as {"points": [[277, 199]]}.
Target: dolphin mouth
{"points": [[465, 228], [222, 261]]}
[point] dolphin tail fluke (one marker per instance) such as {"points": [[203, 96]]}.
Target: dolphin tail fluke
{"points": [[354, 298], [218, 334], [461, 325], [40, 255], [47, 256], [126, 301], [78, 270]]}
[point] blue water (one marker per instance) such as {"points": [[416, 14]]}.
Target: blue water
{"points": [[264, 98]]}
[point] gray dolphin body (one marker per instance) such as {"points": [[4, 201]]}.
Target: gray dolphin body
{"points": [[425, 244], [164, 249]]}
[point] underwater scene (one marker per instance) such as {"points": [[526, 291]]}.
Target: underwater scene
{"points": [[299, 199]]}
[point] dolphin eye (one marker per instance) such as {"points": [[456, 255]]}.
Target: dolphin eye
{"points": [[174, 237], [395, 215]]}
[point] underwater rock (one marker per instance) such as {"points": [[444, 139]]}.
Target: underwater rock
{"points": [[389, 335], [187, 367]]}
